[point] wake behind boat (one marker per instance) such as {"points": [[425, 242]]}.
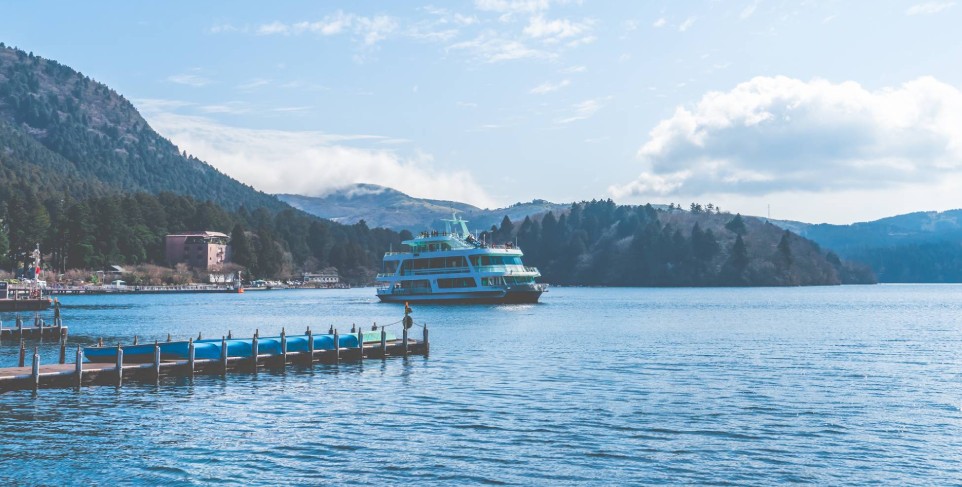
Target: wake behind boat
{"points": [[454, 267]]}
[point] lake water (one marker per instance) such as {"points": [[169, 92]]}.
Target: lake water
{"points": [[825, 385]]}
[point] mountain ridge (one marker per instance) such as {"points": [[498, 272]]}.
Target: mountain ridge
{"points": [[67, 133], [381, 206]]}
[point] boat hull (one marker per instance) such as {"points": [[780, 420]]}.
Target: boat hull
{"points": [[25, 304], [483, 297]]}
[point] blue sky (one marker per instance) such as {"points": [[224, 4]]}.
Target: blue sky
{"points": [[825, 110]]}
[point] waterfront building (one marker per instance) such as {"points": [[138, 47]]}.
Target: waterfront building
{"points": [[200, 250]]}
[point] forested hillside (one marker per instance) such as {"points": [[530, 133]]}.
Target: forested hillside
{"points": [[600, 243], [914, 247], [87, 178], [62, 132], [130, 229]]}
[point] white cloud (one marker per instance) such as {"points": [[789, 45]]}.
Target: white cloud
{"points": [[276, 27], [690, 21], [369, 30], [461, 19], [928, 8], [555, 30], [661, 22], [749, 10], [574, 69], [311, 163], [584, 110], [252, 84], [221, 28], [189, 79], [492, 48], [229, 108], [513, 6], [548, 87], [773, 135]]}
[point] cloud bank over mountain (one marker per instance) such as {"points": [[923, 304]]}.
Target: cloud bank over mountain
{"points": [[778, 134], [311, 163]]}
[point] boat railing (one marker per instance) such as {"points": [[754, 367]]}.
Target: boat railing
{"points": [[435, 270], [405, 291], [508, 270]]}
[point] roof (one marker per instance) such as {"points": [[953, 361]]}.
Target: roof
{"points": [[198, 234]]}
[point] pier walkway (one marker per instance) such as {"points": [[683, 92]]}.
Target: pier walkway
{"points": [[80, 373]]}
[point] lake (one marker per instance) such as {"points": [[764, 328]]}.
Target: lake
{"points": [[827, 385]]}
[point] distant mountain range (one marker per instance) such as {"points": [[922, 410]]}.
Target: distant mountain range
{"points": [[65, 139], [380, 206], [915, 247]]}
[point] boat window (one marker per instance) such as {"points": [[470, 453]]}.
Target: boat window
{"points": [[460, 282], [389, 267], [417, 283]]}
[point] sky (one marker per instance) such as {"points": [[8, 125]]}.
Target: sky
{"points": [[819, 111]]}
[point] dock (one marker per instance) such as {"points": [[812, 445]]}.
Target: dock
{"points": [[39, 330], [37, 376]]}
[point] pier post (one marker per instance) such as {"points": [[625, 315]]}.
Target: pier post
{"points": [[337, 348], [79, 367], [310, 346], [157, 361], [135, 339], [63, 350], [404, 339], [426, 343], [383, 342], [35, 373], [20, 329], [254, 351], [63, 333], [120, 366], [23, 353], [283, 346], [223, 354], [190, 357], [360, 344]]}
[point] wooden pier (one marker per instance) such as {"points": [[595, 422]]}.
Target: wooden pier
{"points": [[79, 373], [38, 330]]}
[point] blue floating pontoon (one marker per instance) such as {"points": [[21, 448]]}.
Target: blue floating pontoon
{"points": [[236, 347]]}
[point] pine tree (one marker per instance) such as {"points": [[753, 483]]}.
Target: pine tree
{"points": [[737, 225], [241, 251]]}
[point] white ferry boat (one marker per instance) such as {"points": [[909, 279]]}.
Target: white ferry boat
{"points": [[454, 267]]}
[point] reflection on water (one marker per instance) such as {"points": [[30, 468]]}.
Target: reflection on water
{"points": [[610, 386]]}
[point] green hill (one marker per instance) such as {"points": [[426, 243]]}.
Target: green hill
{"points": [[85, 175], [600, 243], [62, 132]]}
